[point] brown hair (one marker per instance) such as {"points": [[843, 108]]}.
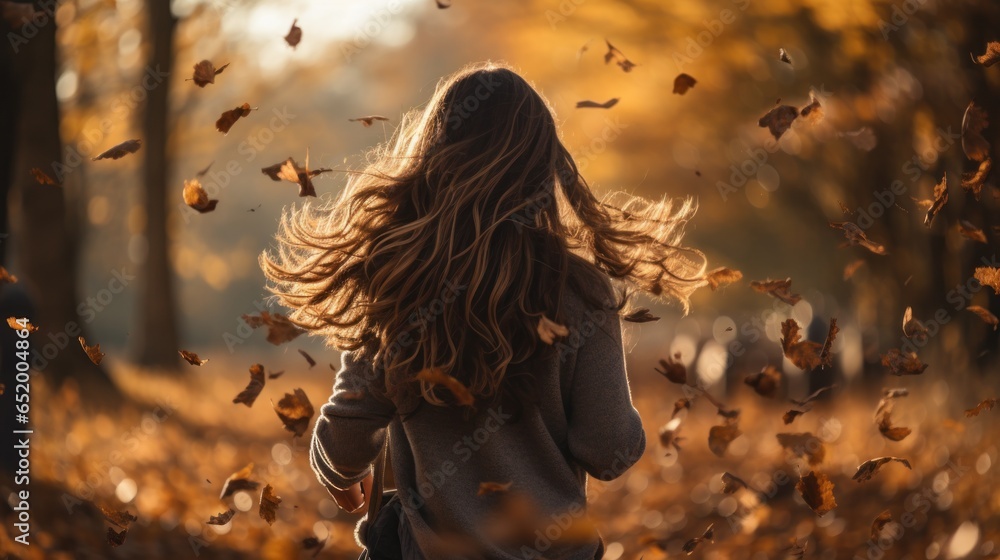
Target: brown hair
{"points": [[464, 230]]}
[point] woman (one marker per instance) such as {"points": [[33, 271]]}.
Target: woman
{"points": [[466, 275]]}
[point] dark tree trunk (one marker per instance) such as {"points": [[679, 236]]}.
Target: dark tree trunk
{"points": [[157, 335]]}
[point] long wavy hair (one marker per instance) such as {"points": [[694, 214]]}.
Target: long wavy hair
{"points": [[465, 229]]}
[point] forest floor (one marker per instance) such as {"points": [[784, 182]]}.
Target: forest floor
{"points": [[165, 456]]}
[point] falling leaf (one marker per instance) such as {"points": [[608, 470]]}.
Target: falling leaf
{"points": [[902, 364], [780, 289], [885, 427], [987, 404], [294, 34], [291, 172], [310, 543], [803, 444], [279, 328], [614, 54], [669, 435], [732, 483], [493, 488], [269, 503], [817, 491], [588, 104], [813, 111], [692, 544], [276, 374], [202, 172], [443, 4], [722, 276], [974, 122], [989, 276], [783, 56], [6, 277], [683, 82], [940, 199], [119, 518], [222, 518], [192, 358], [42, 178], [765, 382], [719, 437], [679, 405], [205, 73], [913, 327], [93, 352], [991, 56], [196, 197], [862, 138], [779, 120], [13, 322], [121, 150], [852, 267], [640, 316], [982, 312], [791, 415], [229, 118], [549, 330], [254, 387], [815, 395], [435, 376], [856, 236], [973, 181], [369, 120], [803, 353], [673, 369], [878, 523], [970, 231], [826, 355], [308, 358], [295, 412], [870, 468], [116, 539], [239, 480]]}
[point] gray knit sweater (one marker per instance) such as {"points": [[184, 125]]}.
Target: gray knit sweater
{"points": [[584, 423]]}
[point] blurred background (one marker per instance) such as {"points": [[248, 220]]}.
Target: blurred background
{"points": [[114, 251]]}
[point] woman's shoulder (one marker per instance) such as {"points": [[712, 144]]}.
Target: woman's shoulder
{"points": [[589, 287]]}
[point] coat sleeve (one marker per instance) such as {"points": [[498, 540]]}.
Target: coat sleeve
{"points": [[605, 433], [351, 427]]}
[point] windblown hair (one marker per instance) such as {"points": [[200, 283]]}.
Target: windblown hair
{"points": [[464, 230]]}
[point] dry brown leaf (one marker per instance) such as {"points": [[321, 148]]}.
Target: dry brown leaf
{"points": [[369, 120], [269, 502], [93, 352], [279, 328], [803, 444], [791, 415], [683, 82], [856, 236], [984, 314], [670, 435], [690, 546], [765, 382], [783, 56], [970, 231], [239, 480], [493, 488], [913, 327], [852, 267], [938, 202], [205, 73], [732, 483], [588, 104], [673, 369], [870, 468], [878, 523], [435, 376], [719, 437], [894, 433], [115, 538], [778, 120], [990, 57], [974, 122], [900, 363], [803, 353], [817, 491], [229, 118], [192, 358], [222, 518], [291, 172], [118, 518], [614, 54], [295, 411], [781, 289], [640, 316], [549, 330], [42, 178], [294, 35], [121, 150], [309, 359], [14, 323], [249, 395], [722, 276], [196, 197], [443, 4], [989, 276], [679, 405], [973, 181], [826, 354], [815, 395], [813, 112], [987, 404]]}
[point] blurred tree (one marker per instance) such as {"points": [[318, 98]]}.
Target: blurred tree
{"points": [[157, 336], [43, 230]]}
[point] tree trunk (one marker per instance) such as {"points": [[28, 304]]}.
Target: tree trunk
{"points": [[157, 335], [41, 236]]}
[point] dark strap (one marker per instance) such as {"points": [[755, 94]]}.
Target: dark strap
{"points": [[378, 480]]}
